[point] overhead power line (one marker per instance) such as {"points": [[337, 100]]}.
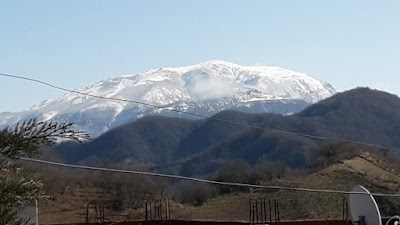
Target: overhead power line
{"points": [[199, 115], [204, 180]]}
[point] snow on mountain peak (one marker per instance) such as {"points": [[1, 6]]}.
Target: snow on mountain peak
{"points": [[207, 87]]}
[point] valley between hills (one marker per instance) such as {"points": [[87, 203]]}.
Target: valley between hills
{"points": [[223, 152]]}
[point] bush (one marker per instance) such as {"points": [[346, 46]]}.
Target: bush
{"points": [[194, 193]]}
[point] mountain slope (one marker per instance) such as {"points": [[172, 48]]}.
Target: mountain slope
{"points": [[206, 89], [368, 170], [371, 171], [363, 114], [198, 147]]}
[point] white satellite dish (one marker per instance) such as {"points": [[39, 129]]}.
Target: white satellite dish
{"points": [[363, 207]]}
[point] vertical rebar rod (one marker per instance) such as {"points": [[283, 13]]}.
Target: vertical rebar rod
{"points": [[250, 221], [265, 212], [169, 210], [151, 211], [275, 211], [158, 209], [257, 211], [155, 209], [166, 209], [161, 212], [262, 211], [343, 209], [87, 213], [254, 213], [96, 213], [145, 210], [270, 211], [346, 212], [103, 214]]}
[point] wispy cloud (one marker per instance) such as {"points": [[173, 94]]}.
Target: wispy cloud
{"points": [[212, 88]]}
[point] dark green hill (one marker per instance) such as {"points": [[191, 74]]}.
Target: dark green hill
{"points": [[147, 140], [361, 114], [197, 147]]}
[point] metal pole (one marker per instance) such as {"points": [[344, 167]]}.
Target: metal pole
{"points": [[275, 211], [169, 210], [155, 210], [166, 210], [161, 213], [250, 210], [87, 213], [346, 211], [101, 207], [151, 213], [145, 210], [96, 214], [261, 212], [37, 212], [254, 213], [265, 211], [160, 205], [159, 209], [270, 211], [343, 209]]}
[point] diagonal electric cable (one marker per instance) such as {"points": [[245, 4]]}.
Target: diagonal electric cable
{"points": [[204, 180], [201, 116]]}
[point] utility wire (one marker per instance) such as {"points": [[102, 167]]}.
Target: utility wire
{"points": [[199, 115], [204, 180]]}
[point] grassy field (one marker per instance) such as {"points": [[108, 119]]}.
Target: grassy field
{"points": [[367, 170]]}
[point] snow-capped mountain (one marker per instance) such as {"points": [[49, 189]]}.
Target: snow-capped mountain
{"points": [[205, 89]]}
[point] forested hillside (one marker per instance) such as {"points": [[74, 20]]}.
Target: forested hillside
{"points": [[199, 147]]}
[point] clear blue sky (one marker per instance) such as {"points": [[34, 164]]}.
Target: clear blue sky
{"points": [[74, 43]]}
